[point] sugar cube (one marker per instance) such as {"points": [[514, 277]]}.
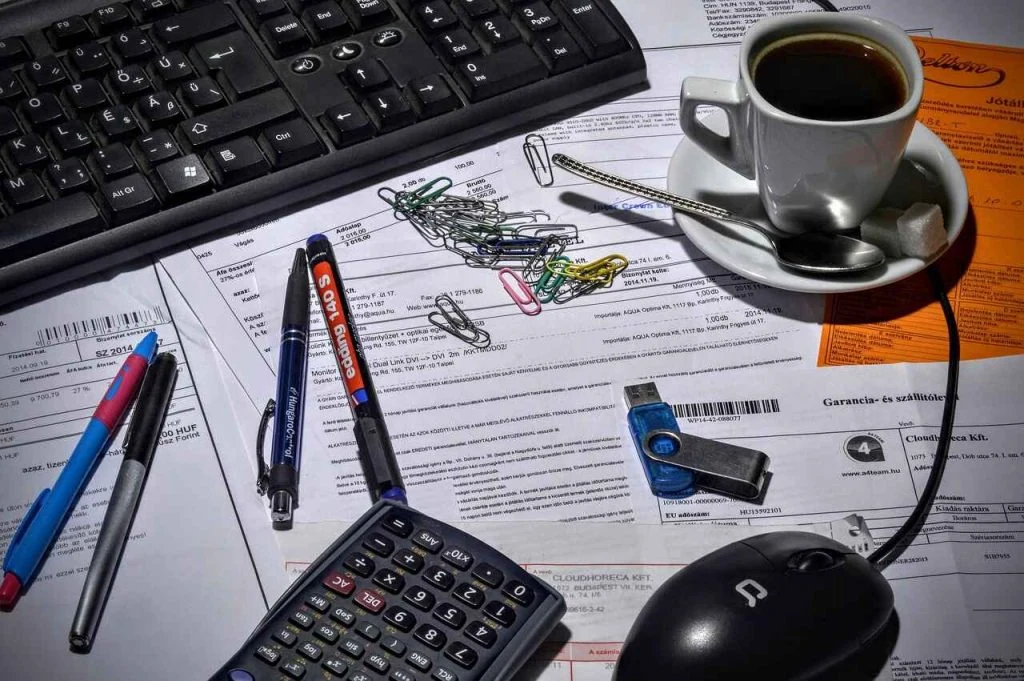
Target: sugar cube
{"points": [[879, 229], [922, 230]]}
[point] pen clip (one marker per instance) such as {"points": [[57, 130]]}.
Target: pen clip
{"points": [[262, 470], [23, 527]]}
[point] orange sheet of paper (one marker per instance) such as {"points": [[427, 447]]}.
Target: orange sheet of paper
{"points": [[974, 101]]}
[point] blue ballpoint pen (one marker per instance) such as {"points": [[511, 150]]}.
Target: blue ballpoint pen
{"points": [[44, 519], [286, 454]]}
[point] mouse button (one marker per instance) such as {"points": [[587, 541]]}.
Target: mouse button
{"points": [[778, 547], [815, 560]]}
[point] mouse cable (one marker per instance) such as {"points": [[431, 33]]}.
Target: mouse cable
{"points": [[931, 487]]}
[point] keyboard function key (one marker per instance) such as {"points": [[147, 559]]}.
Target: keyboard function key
{"points": [[335, 665], [500, 613], [559, 51], [400, 618], [325, 22], [393, 645], [111, 18], [469, 594], [310, 651], [153, 9], [488, 574], [284, 35], [370, 600], [389, 580], [481, 633], [408, 560], [431, 636], [431, 96], [590, 27], [389, 37], [442, 674], [367, 13], [132, 44], [318, 602], [420, 598], [236, 62], [68, 176], [439, 577], [239, 118], [237, 161], [367, 75], [70, 31], [343, 616], [301, 619], [450, 615], [518, 592], [112, 161], [294, 669], [377, 662], [419, 660], [268, 654], [367, 631], [327, 633], [379, 544], [285, 637], [46, 72], [461, 654], [260, 10], [352, 648], [458, 557], [291, 142], [428, 540]]}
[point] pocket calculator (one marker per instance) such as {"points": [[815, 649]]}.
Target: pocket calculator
{"points": [[401, 597]]}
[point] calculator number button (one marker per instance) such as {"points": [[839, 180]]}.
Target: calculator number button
{"points": [[408, 560], [481, 633], [469, 594], [400, 618], [431, 636], [518, 592], [488, 574], [420, 598], [460, 558], [450, 615], [439, 577], [461, 654], [360, 564], [500, 613], [428, 540], [339, 583], [371, 600]]}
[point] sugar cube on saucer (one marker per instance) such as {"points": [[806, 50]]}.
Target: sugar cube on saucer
{"points": [[922, 230], [879, 229]]}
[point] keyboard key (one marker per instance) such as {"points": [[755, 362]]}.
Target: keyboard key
{"points": [[183, 178], [86, 95], [129, 81], [10, 87], [12, 51], [518, 592], [439, 577], [428, 540], [23, 191], [234, 59], [352, 648], [461, 654], [469, 594], [420, 598], [238, 161], [153, 9], [474, 9], [408, 560], [337, 582], [301, 619], [335, 665], [159, 108], [72, 138], [389, 37], [202, 94], [367, 13], [69, 176], [27, 151], [559, 51], [158, 146], [402, 675], [590, 28], [111, 18], [237, 119], [367, 631], [456, 44], [89, 58], [343, 615], [442, 674], [493, 74], [399, 618], [431, 96], [294, 669], [370, 600], [42, 110], [379, 544], [285, 637], [496, 31], [129, 198], [261, 10], [393, 645], [284, 35], [326, 22], [377, 662], [396, 524], [46, 72], [132, 45], [450, 615], [70, 31], [112, 161], [117, 122], [173, 66], [268, 655], [318, 602], [435, 16], [204, 21], [481, 633], [367, 75], [326, 633], [47, 226], [389, 580], [431, 636], [419, 660], [8, 124], [291, 142], [310, 651], [534, 18], [457, 557], [500, 613]]}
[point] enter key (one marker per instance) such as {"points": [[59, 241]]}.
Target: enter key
{"points": [[236, 62]]}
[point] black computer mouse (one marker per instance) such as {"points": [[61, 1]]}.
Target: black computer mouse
{"points": [[782, 606]]}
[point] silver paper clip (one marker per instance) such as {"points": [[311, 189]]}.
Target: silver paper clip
{"points": [[536, 151], [456, 323]]}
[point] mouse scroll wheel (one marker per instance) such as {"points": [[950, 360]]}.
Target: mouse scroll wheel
{"points": [[813, 560]]}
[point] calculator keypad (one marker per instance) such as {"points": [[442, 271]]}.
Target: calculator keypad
{"points": [[399, 603]]}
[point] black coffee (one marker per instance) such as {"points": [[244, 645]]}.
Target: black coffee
{"points": [[830, 77]]}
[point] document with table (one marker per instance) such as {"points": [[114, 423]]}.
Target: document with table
{"points": [[516, 440]]}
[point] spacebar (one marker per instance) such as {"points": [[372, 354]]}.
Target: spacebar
{"points": [[48, 226], [236, 119]]}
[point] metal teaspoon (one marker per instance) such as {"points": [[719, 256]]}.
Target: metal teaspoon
{"points": [[815, 252]]}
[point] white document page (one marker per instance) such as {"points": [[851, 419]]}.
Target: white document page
{"points": [[186, 592]]}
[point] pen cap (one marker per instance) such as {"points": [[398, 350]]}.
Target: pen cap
{"points": [[151, 408]]}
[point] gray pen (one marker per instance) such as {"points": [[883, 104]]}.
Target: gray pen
{"points": [[143, 435]]}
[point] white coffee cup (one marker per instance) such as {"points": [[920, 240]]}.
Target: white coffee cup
{"points": [[811, 174]]}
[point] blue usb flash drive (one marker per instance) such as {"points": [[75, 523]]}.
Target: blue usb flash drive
{"points": [[648, 413]]}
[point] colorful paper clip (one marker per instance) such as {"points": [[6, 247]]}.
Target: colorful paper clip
{"points": [[520, 292]]}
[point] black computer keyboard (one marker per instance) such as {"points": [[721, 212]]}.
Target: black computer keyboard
{"points": [[129, 127]]}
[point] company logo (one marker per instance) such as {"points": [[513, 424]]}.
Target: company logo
{"points": [[864, 448], [949, 69]]}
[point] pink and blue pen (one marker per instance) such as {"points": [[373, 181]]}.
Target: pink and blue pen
{"points": [[44, 519]]}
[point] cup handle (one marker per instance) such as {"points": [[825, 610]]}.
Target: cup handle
{"points": [[732, 149]]}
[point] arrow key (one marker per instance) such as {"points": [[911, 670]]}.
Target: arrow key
{"points": [[436, 16], [430, 96], [367, 75], [289, 143], [390, 110], [348, 124]]}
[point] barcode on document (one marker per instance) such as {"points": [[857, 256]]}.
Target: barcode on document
{"points": [[98, 326], [737, 408]]}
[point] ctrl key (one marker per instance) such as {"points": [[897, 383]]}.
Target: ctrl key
{"points": [[129, 198], [290, 142]]}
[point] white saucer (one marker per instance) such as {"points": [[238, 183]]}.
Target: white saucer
{"points": [[928, 173]]}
